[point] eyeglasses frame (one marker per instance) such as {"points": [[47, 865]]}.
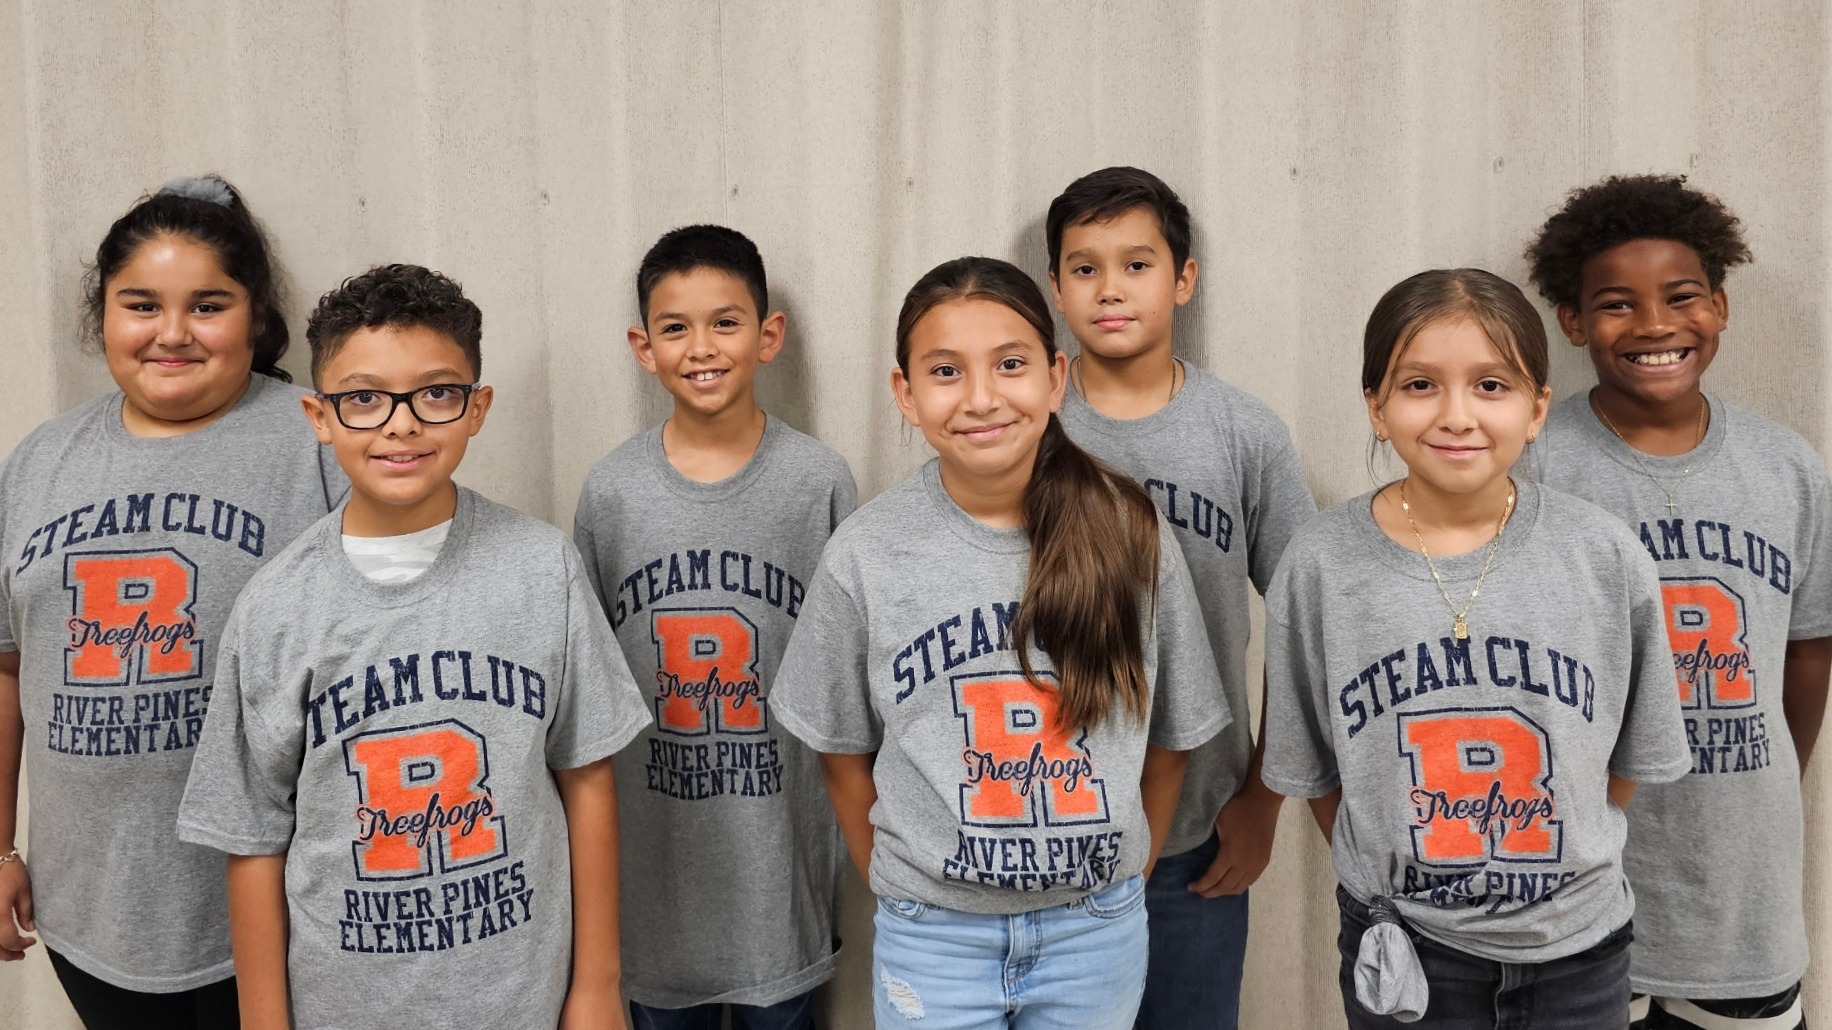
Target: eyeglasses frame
{"points": [[335, 400]]}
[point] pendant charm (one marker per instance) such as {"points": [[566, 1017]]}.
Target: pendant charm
{"points": [[1461, 629]]}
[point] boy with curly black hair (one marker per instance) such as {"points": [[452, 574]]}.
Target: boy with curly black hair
{"points": [[1733, 507], [407, 752]]}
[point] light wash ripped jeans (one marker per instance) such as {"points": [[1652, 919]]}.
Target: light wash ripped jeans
{"points": [[1079, 966]]}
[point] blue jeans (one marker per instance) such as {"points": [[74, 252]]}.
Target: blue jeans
{"points": [[1198, 946], [795, 1014], [1079, 966], [1586, 991]]}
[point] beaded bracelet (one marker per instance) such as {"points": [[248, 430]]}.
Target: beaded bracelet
{"points": [[11, 856]]}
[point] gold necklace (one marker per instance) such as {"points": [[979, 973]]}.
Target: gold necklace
{"points": [[1648, 472], [1460, 625], [1081, 381]]}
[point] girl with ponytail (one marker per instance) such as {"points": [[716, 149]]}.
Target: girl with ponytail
{"points": [[1467, 675], [1002, 663], [130, 524]]}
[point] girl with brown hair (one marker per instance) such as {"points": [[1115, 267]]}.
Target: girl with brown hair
{"points": [[1002, 664]]}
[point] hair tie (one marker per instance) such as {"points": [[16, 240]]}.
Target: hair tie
{"points": [[199, 187]]}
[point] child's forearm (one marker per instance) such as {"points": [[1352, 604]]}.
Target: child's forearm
{"points": [[257, 931], [850, 786], [1323, 810], [12, 744], [589, 796], [1803, 692], [1621, 791], [1160, 783]]}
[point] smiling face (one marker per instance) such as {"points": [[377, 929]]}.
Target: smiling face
{"points": [[981, 386], [704, 340], [1456, 411], [1117, 285], [175, 333], [1650, 320], [400, 473]]}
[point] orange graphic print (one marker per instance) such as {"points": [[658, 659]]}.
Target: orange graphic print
{"points": [[1021, 768], [422, 795], [131, 618], [1482, 787], [1705, 624], [706, 676]]}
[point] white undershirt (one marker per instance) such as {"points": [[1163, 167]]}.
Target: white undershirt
{"points": [[396, 559]]}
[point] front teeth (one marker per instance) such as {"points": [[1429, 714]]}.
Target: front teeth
{"points": [[703, 377], [400, 459], [1667, 357]]}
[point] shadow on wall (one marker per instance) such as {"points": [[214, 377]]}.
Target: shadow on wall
{"points": [[784, 386]]}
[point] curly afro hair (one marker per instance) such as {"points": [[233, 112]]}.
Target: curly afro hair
{"points": [[399, 297], [1622, 208]]}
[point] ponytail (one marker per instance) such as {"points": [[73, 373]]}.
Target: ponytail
{"points": [[1094, 553], [1093, 531]]}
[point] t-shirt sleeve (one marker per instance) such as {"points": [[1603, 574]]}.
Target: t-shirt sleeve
{"points": [[1652, 746], [597, 708], [1188, 705], [845, 496], [1278, 502], [1300, 757], [245, 773], [1811, 615], [585, 538], [822, 692], [336, 484], [9, 639]]}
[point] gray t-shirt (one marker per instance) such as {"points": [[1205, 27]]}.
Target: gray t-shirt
{"points": [[1474, 773], [396, 742], [903, 648], [730, 851], [1745, 565], [123, 555], [1221, 467]]}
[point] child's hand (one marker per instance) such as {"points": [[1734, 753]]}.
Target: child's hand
{"points": [[592, 1009], [1246, 826], [15, 908]]}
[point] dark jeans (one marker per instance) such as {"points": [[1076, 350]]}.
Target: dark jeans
{"points": [[103, 1006], [1735, 1008], [1586, 991], [1198, 945], [795, 1014]]}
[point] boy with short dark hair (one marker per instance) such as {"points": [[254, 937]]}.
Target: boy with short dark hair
{"points": [[1733, 509], [699, 537], [1221, 466], [407, 752]]}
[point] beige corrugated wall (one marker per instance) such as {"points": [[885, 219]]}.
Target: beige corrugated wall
{"points": [[534, 150]]}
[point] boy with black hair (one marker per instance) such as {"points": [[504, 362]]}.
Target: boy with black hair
{"points": [[406, 756], [1221, 466], [699, 538], [1733, 508]]}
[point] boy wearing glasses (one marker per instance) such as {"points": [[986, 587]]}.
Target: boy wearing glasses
{"points": [[407, 754]]}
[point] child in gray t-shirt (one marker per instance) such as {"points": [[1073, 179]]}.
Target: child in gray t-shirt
{"points": [[1470, 673], [1001, 681], [730, 855], [412, 778], [1733, 510], [129, 524]]}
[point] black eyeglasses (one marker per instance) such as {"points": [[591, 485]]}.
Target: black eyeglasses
{"points": [[371, 409]]}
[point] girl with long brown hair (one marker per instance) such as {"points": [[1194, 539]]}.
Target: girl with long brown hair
{"points": [[1002, 663]]}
